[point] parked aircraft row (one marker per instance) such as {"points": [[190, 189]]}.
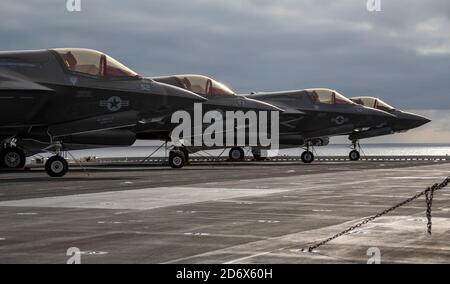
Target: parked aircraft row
{"points": [[70, 98]]}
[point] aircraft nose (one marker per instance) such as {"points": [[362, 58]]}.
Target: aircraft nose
{"points": [[410, 120], [368, 117], [420, 120]]}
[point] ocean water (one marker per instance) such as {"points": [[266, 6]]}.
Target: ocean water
{"points": [[384, 150], [330, 150]]}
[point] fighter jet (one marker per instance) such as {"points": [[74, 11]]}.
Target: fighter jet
{"points": [[65, 96], [307, 117], [312, 114], [220, 98], [402, 122]]}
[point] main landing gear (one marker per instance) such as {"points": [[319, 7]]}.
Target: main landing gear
{"points": [[12, 158], [354, 155]]}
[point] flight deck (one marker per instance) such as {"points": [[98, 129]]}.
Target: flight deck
{"points": [[261, 212]]}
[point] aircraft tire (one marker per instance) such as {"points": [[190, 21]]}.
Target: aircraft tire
{"points": [[176, 159], [307, 157], [236, 154], [354, 155], [12, 158], [56, 166]]}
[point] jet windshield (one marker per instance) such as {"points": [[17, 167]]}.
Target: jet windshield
{"points": [[203, 85], [373, 103], [326, 96], [93, 62]]}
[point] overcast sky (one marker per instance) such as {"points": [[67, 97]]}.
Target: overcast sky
{"points": [[401, 54]]}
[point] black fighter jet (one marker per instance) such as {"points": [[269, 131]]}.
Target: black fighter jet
{"points": [[56, 98], [220, 98], [310, 116], [307, 117], [402, 122]]}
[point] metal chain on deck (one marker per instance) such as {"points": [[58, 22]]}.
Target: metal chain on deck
{"points": [[429, 194]]}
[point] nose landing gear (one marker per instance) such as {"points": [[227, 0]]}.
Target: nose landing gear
{"points": [[56, 166], [307, 156], [236, 154], [354, 155], [177, 159]]}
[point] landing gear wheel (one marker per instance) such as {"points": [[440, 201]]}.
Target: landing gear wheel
{"points": [[354, 155], [176, 159], [56, 166], [307, 157], [236, 154], [12, 158]]}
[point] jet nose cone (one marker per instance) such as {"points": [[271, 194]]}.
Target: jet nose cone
{"points": [[417, 120], [406, 121]]}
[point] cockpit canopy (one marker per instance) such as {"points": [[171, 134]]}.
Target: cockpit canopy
{"points": [[373, 103], [203, 85], [327, 96], [92, 62]]}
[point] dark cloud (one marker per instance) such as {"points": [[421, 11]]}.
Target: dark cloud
{"points": [[400, 54]]}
